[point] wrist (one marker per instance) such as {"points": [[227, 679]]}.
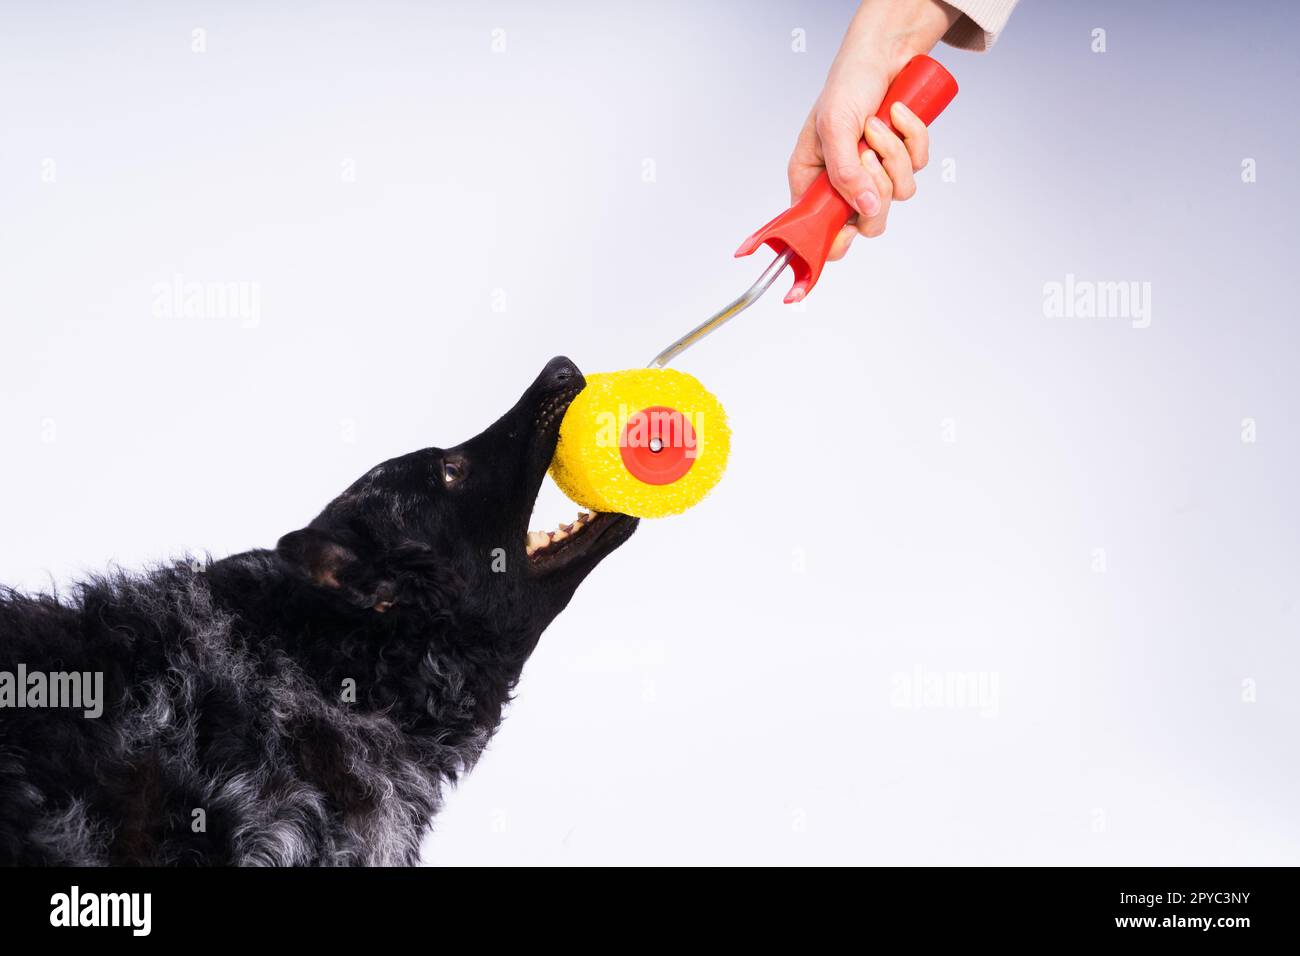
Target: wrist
{"points": [[888, 33]]}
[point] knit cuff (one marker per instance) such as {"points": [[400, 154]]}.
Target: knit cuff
{"points": [[981, 22]]}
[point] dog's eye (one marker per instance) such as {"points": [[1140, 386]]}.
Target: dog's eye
{"points": [[452, 472]]}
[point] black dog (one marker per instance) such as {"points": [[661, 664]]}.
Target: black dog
{"points": [[304, 705]]}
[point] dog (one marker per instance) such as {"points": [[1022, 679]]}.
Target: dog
{"points": [[306, 705]]}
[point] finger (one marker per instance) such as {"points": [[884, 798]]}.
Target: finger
{"points": [[805, 161], [872, 226], [839, 135], [916, 135], [843, 240], [800, 177], [893, 155]]}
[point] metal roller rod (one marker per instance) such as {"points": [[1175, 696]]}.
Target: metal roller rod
{"points": [[719, 319]]}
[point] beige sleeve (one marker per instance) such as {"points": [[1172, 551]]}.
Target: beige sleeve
{"points": [[979, 24]]}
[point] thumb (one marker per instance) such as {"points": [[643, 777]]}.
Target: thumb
{"points": [[840, 134]]}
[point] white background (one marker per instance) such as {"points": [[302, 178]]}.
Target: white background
{"points": [[1143, 714]]}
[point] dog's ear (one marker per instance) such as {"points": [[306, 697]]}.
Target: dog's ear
{"points": [[318, 556], [329, 563]]}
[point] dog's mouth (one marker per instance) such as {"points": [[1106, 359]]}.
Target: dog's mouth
{"points": [[550, 550], [582, 542], [590, 534], [546, 543]]}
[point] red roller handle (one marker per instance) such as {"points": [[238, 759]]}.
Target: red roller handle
{"points": [[809, 227]]}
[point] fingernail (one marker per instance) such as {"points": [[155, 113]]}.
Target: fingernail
{"points": [[877, 124], [902, 108], [868, 203]]}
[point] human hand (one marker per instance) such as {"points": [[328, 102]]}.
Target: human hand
{"points": [[879, 42]]}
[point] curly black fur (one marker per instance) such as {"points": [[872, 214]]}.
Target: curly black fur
{"points": [[303, 705]]}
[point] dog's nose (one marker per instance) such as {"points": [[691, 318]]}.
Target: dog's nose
{"points": [[561, 373]]}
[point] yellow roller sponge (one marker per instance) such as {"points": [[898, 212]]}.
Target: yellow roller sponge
{"points": [[645, 442]]}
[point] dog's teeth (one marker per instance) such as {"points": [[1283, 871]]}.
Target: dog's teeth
{"points": [[541, 540]]}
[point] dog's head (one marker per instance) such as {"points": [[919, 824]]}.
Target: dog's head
{"points": [[445, 531]]}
